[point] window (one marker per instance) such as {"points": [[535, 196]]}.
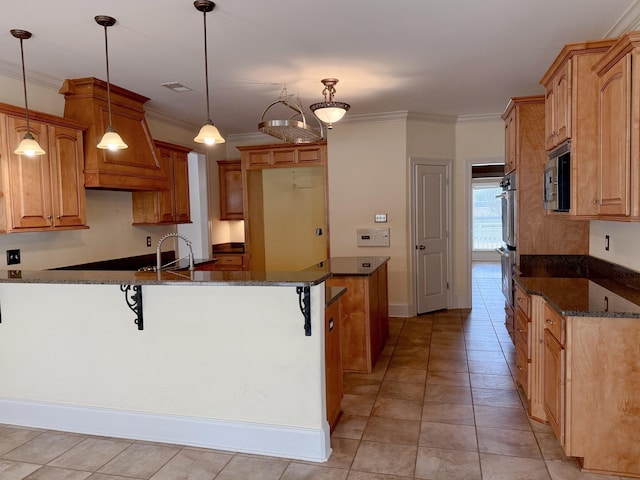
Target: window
{"points": [[487, 214]]}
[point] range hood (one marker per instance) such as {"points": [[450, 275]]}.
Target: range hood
{"points": [[136, 168]]}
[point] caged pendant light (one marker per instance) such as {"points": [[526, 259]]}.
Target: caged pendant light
{"points": [[208, 134], [110, 140], [28, 146], [329, 111]]}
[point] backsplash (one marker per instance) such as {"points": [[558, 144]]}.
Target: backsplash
{"points": [[623, 243]]}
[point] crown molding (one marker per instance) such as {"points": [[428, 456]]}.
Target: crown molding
{"points": [[481, 117], [628, 22], [14, 71]]}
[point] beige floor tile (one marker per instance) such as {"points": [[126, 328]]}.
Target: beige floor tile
{"points": [[193, 464], [402, 390], [409, 362], [11, 470], [350, 426], [440, 377], [441, 464], [243, 467], [44, 448], [518, 443], [446, 435], [502, 417], [447, 394], [502, 467], [387, 458], [355, 384], [444, 353], [498, 382], [413, 341], [357, 404], [448, 365], [489, 367], [343, 452], [392, 430], [416, 352], [104, 476], [397, 408], [570, 471], [550, 447], [353, 475], [457, 343], [13, 437], [303, 471], [496, 398], [485, 356], [91, 454], [411, 375], [140, 460], [448, 413], [54, 473]]}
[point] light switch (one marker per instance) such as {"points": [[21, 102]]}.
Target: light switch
{"points": [[380, 218]]}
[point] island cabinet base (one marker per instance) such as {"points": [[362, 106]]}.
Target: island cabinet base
{"points": [[364, 327], [216, 366]]}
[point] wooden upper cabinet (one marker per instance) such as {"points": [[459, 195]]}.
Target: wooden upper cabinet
{"points": [[283, 155], [510, 141], [170, 206], [230, 187], [572, 114], [43, 192], [136, 168]]}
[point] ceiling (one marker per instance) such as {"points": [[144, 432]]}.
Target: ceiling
{"points": [[442, 57]]}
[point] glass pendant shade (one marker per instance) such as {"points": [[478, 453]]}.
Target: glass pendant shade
{"points": [[209, 134], [29, 147], [112, 141], [330, 112]]}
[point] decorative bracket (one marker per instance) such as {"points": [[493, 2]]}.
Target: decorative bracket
{"points": [[133, 297], [304, 300]]}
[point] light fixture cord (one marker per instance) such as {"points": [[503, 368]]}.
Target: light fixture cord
{"points": [[206, 63], [106, 51], [24, 84]]}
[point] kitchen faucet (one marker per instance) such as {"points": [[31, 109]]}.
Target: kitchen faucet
{"points": [[159, 265]]}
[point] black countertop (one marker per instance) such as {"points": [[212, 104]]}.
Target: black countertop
{"points": [[352, 266]]}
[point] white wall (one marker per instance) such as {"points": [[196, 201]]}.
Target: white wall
{"points": [[109, 214], [623, 242]]}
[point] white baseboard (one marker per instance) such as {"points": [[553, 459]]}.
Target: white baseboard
{"points": [[399, 310], [271, 440]]}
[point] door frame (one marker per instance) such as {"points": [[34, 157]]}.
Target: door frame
{"points": [[413, 258]]}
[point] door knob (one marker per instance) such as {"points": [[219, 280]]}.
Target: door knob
{"points": [[422, 247]]}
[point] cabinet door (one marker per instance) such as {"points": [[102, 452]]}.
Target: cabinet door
{"points": [[333, 366], [549, 117], [166, 197], [554, 384], [28, 178], [230, 180], [510, 141], [615, 114], [182, 212], [562, 99], [67, 180]]}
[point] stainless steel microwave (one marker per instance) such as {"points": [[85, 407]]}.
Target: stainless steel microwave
{"points": [[557, 179]]}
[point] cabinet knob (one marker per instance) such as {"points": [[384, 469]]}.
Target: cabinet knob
{"points": [[49, 217], [520, 330], [596, 201], [520, 368], [541, 341], [549, 321], [58, 217]]}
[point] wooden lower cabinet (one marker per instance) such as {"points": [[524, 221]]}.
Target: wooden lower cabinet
{"points": [[333, 362], [365, 318], [230, 262], [592, 390]]}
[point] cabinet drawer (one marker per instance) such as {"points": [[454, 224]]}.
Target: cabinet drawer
{"points": [[260, 157], [522, 332], [522, 367], [554, 323], [523, 301], [234, 260], [284, 157]]}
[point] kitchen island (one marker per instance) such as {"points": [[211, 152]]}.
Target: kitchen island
{"points": [[225, 360]]}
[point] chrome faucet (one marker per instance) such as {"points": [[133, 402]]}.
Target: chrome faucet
{"points": [[159, 265]]}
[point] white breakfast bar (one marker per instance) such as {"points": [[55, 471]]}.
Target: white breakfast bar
{"points": [[224, 360]]}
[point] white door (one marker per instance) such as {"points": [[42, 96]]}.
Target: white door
{"points": [[431, 237]]}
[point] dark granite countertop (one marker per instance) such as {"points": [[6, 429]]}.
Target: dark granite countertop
{"points": [[173, 277], [332, 294], [582, 286], [358, 266]]}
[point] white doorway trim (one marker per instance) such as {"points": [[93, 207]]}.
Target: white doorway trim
{"points": [[469, 163], [413, 162]]}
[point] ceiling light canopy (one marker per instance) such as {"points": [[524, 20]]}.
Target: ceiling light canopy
{"points": [[329, 111], [110, 140], [28, 146], [208, 134]]}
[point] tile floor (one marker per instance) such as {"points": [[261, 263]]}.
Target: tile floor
{"points": [[440, 405]]}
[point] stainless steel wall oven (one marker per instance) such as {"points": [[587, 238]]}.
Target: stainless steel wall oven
{"points": [[509, 233]]}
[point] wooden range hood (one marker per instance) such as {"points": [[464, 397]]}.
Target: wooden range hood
{"points": [[136, 168]]}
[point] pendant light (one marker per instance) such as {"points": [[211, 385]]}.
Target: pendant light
{"points": [[208, 134], [28, 146], [329, 111], [110, 140]]}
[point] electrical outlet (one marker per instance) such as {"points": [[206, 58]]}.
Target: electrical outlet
{"points": [[148, 241], [606, 242], [13, 257]]}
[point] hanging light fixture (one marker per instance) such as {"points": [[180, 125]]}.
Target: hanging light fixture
{"points": [[28, 146], [209, 133], [329, 111], [110, 140]]}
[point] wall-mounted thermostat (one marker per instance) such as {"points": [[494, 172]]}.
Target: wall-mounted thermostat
{"points": [[373, 237]]}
